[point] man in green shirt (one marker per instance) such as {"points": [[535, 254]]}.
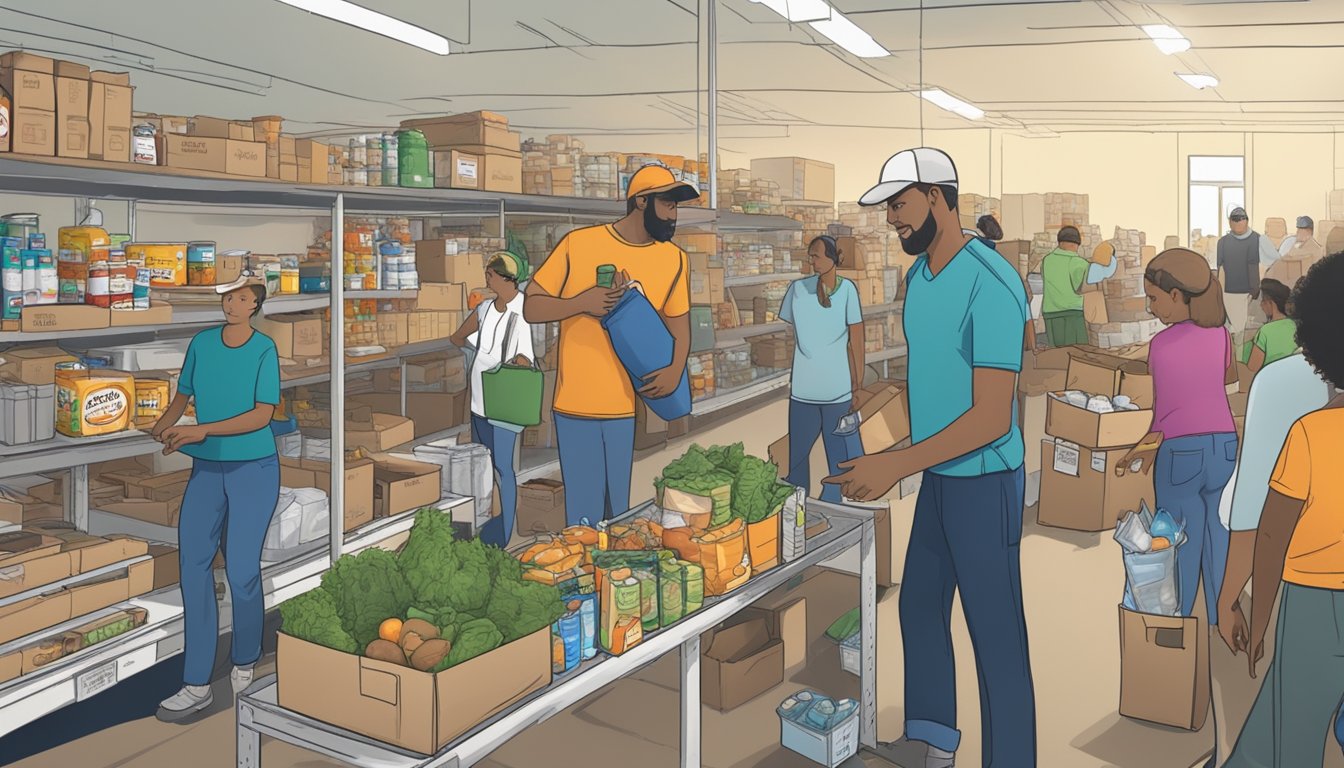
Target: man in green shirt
{"points": [[1064, 271], [1277, 338]]}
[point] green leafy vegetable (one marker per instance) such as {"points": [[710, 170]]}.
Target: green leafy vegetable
{"points": [[519, 608], [312, 616], [429, 559], [367, 588], [474, 638], [757, 492]]}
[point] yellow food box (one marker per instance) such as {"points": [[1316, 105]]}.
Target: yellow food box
{"points": [[94, 402], [166, 262]]}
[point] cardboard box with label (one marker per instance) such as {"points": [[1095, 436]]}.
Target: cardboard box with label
{"points": [[226, 156], [217, 128], [740, 661], [31, 82], [458, 170], [111, 106], [1164, 669], [1079, 489], [1098, 374], [383, 433], [503, 172], [72, 110], [48, 318], [541, 506], [158, 314], [309, 473], [402, 485], [295, 336], [405, 707]]}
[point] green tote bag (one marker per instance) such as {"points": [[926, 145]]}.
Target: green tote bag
{"points": [[512, 393]]}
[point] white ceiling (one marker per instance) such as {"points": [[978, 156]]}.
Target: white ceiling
{"points": [[630, 68]]}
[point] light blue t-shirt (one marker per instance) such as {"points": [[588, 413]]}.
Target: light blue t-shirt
{"points": [[228, 382], [821, 356], [969, 316]]}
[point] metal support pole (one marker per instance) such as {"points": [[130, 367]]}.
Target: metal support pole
{"points": [[868, 634], [130, 219], [713, 48], [337, 496], [501, 220], [690, 703], [78, 494], [402, 364]]}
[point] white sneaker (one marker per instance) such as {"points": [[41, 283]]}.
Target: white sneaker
{"points": [[906, 753], [187, 702], [240, 678]]}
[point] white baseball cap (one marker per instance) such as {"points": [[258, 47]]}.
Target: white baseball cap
{"points": [[906, 169]]}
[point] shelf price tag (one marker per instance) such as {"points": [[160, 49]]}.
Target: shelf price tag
{"points": [[96, 680]]}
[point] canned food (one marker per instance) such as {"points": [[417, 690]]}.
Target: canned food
{"points": [[201, 263]]}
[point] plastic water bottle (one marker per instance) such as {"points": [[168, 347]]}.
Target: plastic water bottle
{"points": [[571, 631]]}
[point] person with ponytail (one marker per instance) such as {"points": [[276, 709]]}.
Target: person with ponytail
{"points": [[828, 365]]}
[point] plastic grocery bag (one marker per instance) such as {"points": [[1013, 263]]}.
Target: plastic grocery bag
{"points": [[1152, 582]]}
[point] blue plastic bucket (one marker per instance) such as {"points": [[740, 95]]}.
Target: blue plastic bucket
{"points": [[644, 345]]}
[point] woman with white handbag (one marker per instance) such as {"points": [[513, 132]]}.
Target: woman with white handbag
{"points": [[501, 336]]}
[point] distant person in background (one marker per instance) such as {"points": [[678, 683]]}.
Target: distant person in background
{"points": [[1276, 339], [1240, 254], [1298, 548], [827, 321], [501, 335], [1297, 254], [1064, 272], [989, 228]]}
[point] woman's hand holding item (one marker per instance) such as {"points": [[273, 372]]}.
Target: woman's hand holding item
{"points": [[174, 438], [1144, 454]]}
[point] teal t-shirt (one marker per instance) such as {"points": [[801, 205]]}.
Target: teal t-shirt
{"points": [[228, 382], [821, 355], [969, 316]]}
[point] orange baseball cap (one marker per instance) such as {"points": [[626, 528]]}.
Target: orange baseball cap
{"points": [[658, 179]]}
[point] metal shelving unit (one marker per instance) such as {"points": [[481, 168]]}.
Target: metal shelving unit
{"points": [[739, 281]]}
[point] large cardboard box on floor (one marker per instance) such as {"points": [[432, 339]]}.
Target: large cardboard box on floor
{"points": [[740, 661], [541, 506], [1164, 669], [1079, 489], [1098, 374], [405, 707]]}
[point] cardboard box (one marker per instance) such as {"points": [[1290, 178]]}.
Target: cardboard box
{"points": [[885, 422], [167, 566], [383, 433], [11, 665], [165, 513], [295, 336], [541, 507], [798, 178], [35, 365], [1164, 669], [458, 170], [31, 83], [503, 173], [158, 314], [72, 110], [308, 473], [216, 128], [405, 707], [89, 553], [650, 429], [111, 106], [740, 662], [93, 596], [431, 412], [1106, 375], [33, 615], [482, 128], [29, 560], [64, 317], [401, 485], [226, 156], [852, 256], [787, 615], [289, 172], [1079, 489], [167, 487], [449, 297], [436, 265]]}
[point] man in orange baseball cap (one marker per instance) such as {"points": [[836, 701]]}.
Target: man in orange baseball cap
{"points": [[580, 282]]}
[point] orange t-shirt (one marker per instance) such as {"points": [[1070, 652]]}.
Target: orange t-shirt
{"points": [[590, 381], [1308, 470]]}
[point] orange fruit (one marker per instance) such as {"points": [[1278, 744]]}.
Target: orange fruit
{"points": [[390, 630]]}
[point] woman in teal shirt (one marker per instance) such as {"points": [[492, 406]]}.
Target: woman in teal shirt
{"points": [[828, 365], [232, 372]]}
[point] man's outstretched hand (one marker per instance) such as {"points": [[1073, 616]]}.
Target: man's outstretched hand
{"points": [[869, 478]]}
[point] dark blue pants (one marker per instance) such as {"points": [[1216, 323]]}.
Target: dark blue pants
{"points": [[807, 422], [228, 502], [596, 459], [502, 445], [966, 537]]}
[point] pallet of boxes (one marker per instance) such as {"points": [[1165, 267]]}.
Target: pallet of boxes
{"points": [[473, 151], [1102, 412]]}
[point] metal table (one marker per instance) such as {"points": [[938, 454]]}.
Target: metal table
{"points": [[259, 714]]}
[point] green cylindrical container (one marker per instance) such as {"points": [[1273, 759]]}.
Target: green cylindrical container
{"points": [[413, 169], [606, 275]]}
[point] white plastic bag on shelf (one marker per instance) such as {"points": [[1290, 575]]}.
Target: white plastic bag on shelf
{"points": [[286, 524], [290, 445], [466, 470], [315, 513]]}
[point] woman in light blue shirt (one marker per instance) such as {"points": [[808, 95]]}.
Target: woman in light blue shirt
{"points": [[232, 372], [828, 365]]}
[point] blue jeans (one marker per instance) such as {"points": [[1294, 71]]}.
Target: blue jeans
{"points": [[502, 445], [807, 421], [596, 459], [967, 536], [1188, 481], [229, 503]]}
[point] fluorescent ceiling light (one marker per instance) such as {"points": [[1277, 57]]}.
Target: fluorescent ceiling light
{"points": [[1168, 39], [952, 104], [799, 10], [1198, 81], [359, 16], [849, 36]]}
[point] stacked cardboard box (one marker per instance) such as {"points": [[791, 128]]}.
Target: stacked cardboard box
{"points": [[733, 368], [972, 207], [551, 167], [484, 136], [601, 175], [740, 193], [798, 178], [701, 370]]}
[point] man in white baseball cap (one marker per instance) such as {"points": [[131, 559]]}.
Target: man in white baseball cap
{"points": [[964, 312]]}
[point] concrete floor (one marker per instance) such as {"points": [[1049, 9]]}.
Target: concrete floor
{"points": [[1071, 582]]}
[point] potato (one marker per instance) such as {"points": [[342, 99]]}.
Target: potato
{"points": [[430, 653], [386, 650], [410, 642], [423, 628]]}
